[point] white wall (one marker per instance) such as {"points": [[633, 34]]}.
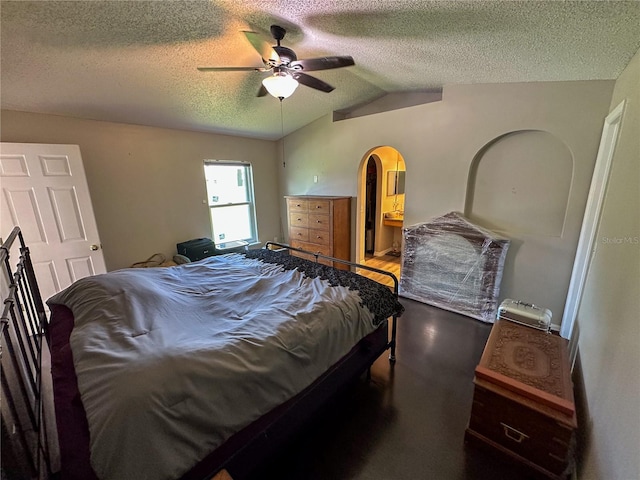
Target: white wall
{"points": [[609, 313], [147, 189], [147, 184], [439, 141]]}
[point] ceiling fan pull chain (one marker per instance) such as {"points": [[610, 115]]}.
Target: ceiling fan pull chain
{"points": [[284, 164]]}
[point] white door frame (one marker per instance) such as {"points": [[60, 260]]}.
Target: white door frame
{"points": [[587, 243]]}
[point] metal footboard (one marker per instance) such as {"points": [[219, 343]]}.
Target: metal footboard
{"points": [[392, 343], [25, 450]]}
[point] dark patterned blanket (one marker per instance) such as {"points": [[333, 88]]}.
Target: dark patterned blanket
{"points": [[378, 298]]}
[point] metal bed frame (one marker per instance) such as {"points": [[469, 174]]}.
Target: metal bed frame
{"points": [[317, 255], [23, 330], [29, 450]]}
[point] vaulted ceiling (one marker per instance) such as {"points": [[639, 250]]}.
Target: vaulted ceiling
{"points": [[136, 61]]}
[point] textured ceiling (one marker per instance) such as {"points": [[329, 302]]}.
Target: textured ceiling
{"points": [[135, 62]]}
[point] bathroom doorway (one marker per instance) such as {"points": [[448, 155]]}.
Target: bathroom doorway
{"points": [[380, 209], [370, 206]]}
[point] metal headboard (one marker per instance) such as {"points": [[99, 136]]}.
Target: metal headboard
{"points": [[23, 328]]}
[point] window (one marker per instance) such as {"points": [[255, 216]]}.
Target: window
{"points": [[231, 202]]}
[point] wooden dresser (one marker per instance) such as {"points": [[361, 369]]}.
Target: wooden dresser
{"points": [[523, 401], [321, 224]]}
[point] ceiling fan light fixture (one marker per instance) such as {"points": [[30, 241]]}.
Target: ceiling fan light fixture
{"points": [[280, 85]]}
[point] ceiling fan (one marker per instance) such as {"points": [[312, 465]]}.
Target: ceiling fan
{"points": [[287, 70]]}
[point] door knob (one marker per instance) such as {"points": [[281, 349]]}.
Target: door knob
{"points": [[94, 247]]}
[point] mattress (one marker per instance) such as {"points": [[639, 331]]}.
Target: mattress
{"points": [[242, 452], [173, 362]]}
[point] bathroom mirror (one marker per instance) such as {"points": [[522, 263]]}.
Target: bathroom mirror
{"points": [[395, 182]]}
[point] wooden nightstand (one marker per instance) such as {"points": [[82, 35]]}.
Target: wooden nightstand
{"points": [[523, 403]]}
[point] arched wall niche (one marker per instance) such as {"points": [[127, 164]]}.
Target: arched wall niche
{"points": [[520, 182]]}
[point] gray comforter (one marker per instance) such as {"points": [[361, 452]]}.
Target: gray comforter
{"points": [[173, 361]]}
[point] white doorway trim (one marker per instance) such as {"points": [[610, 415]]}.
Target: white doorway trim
{"points": [[587, 244]]}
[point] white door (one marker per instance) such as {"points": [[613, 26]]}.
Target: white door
{"points": [[45, 193], [586, 243]]}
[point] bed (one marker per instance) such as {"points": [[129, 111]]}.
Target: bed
{"points": [[180, 372]]}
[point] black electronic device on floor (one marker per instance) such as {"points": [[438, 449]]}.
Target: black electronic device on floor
{"points": [[197, 249]]}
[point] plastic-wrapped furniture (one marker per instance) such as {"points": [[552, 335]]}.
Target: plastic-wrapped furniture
{"points": [[454, 264]]}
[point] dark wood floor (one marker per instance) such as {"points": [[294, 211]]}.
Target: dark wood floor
{"points": [[408, 422]]}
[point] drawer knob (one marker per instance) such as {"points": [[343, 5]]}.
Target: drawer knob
{"points": [[513, 434], [299, 219], [299, 234], [318, 236], [318, 206]]}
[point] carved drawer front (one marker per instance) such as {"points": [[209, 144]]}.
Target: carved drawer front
{"points": [[319, 221], [299, 219], [319, 206], [298, 205], [298, 233], [528, 433]]}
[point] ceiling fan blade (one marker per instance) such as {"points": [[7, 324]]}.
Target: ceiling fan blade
{"points": [[262, 91], [233, 69], [312, 82], [323, 63], [265, 50]]}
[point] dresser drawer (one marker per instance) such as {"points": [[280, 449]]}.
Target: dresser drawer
{"points": [[319, 237], [521, 430], [319, 221], [321, 249], [299, 219], [319, 206], [502, 408], [299, 233], [298, 205]]}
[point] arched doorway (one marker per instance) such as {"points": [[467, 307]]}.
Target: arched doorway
{"points": [[370, 208], [380, 208]]}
